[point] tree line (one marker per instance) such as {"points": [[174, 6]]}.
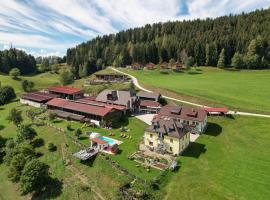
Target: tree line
{"points": [[14, 58], [236, 40]]}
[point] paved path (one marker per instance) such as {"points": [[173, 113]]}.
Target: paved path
{"points": [[136, 83]]}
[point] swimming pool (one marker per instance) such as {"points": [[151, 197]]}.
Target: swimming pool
{"points": [[109, 140]]}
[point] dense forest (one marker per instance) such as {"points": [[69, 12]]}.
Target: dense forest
{"points": [[14, 58], [241, 41]]}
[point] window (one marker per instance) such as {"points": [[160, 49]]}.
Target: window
{"points": [[151, 143], [193, 123], [171, 140], [188, 122], [171, 149], [151, 135], [197, 123]]}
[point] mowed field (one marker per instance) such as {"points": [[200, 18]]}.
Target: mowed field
{"points": [[41, 81], [230, 161], [245, 90]]}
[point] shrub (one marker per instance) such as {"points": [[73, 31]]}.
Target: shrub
{"points": [[69, 128], [51, 146], [7, 93], [27, 86], [14, 73], [51, 115]]}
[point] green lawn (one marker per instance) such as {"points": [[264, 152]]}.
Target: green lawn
{"points": [[41, 81], [246, 90], [128, 147], [101, 175], [230, 161]]}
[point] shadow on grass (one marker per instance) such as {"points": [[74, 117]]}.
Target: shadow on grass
{"points": [[2, 127], [193, 72], [2, 108], [232, 69], [52, 190], [38, 142], [89, 162], [194, 150], [179, 71], [56, 121], [213, 129], [83, 138], [230, 117]]}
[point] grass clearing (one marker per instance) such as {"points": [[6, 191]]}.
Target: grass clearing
{"points": [[41, 81], [99, 174], [245, 90], [128, 147], [230, 161]]}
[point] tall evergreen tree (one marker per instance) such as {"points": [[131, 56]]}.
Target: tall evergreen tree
{"points": [[221, 59]]}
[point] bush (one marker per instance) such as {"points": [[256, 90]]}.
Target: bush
{"points": [[14, 73], [7, 93], [69, 128], [51, 146], [27, 86], [66, 77], [51, 115]]}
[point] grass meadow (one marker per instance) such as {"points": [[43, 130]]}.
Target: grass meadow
{"points": [[230, 161], [246, 90]]}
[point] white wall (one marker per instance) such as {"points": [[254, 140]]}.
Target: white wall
{"points": [[30, 103]]}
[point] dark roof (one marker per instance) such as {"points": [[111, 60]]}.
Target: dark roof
{"points": [[65, 89], [147, 103], [92, 100], [170, 127], [122, 96], [38, 96], [81, 107], [185, 113], [148, 94], [64, 114], [164, 65], [150, 65]]}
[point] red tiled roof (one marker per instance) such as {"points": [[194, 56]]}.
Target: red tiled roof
{"points": [[64, 89], [149, 103], [38, 96], [220, 110], [91, 100], [81, 107], [99, 141]]}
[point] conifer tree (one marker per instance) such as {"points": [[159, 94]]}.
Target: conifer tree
{"points": [[221, 59]]}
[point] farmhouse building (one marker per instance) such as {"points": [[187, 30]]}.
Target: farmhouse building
{"points": [[83, 111], [150, 66], [151, 96], [148, 102], [195, 118], [178, 66], [66, 92], [146, 106], [137, 66], [118, 97], [111, 77], [164, 65], [167, 135], [36, 99]]}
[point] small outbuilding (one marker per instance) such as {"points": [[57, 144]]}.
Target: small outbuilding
{"points": [[36, 99]]}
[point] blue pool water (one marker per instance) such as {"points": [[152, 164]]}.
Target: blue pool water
{"points": [[109, 140]]}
